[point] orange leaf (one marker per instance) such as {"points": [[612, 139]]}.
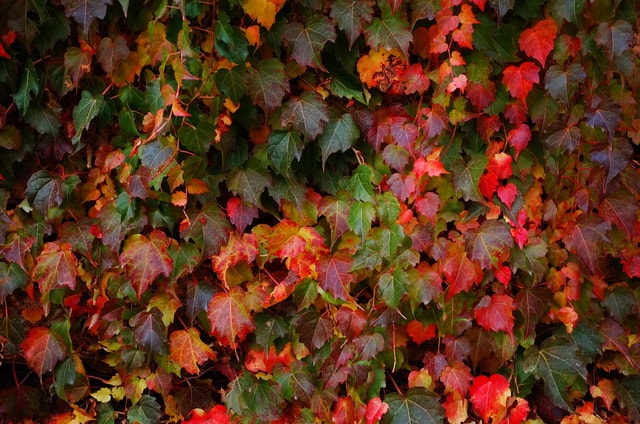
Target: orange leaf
{"points": [[144, 259], [456, 407], [378, 68], [229, 318], [56, 267], [489, 396], [238, 249], [538, 42], [42, 350], [263, 11], [419, 332], [187, 350]]}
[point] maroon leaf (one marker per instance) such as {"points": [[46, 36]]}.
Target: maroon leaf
{"points": [[352, 16], [307, 41], [229, 318], [268, 83], [490, 244], [583, 239], [334, 275]]}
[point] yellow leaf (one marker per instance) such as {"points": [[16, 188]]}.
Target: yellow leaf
{"points": [[263, 11], [197, 186], [103, 395]]}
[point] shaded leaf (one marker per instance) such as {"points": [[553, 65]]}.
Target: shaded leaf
{"points": [[490, 244], [209, 228], [145, 411], [584, 237], [571, 10], [466, 177], [44, 190], [88, 108], [606, 116], [389, 32], [567, 138], [150, 332], [562, 83], [282, 148], [418, 406], [502, 7], [268, 83], [628, 390], [145, 259], [614, 37], [307, 41], [307, 114], [233, 82], [84, 12], [12, 277], [42, 350], [619, 209], [352, 16], [249, 184], [112, 52], [339, 135], [334, 275], [240, 214], [196, 139], [230, 40], [614, 158], [424, 9], [29, 85]]}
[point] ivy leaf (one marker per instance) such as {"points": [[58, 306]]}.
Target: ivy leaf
{"points": [[606, 116], [567, 138], [466, 177], [489, 396], [360, 218], [282, 148], [307, 114], [619, 302], [230, 321], [240, 214], [557, 363], [520, 79], [112, 52], [502, 7], [620, 209], [571, 10], [351, 17], [424, 9], [389, 32], [198, 298], [196, 139], [84, 12], [628, 390], [12, 277], [583, 239], [614, 158], [42, 350], [145, 411], [248, 184], [208, 228], [336, 212], [418, 406], [29, 85], [268, 83], [334, 275], [88, 108], [150, 332], [614, 37], [561, 84], [532, 303], [460, 273], [44, 190], [338, 136], [308, 41], [393, 285], [538, 41], [187, 350], [144, 259], [56, 267], [230, 41], [233, 82], [519, 138], [495, 313]]}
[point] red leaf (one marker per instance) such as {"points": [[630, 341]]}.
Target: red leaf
{"points": [[56, 267], [538, 42], [240, 214], [412, 79], [456, 378], [481, 96], [432, 121], [375, 410], [460, 273], [507, 193], [500, 163], [188, 351], [495, 313], [519, 138], [3, 52], [334, 275], [517, 413], [419, 332], [488, 184], [456, 407], [520, 79], [145, 259], [230, 320], [489, 396], [428, 205], [42, 350], [216, 415], [238, 249]]}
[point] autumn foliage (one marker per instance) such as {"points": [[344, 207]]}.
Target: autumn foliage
{"points": [[319, 211]]}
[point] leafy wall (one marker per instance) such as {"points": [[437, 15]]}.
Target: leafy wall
{"points": [[288, 211]]}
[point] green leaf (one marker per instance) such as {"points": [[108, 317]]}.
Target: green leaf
{"points": [[307, 114], [571, 10], [360, 218], [77, 62], [502, 7], [88, 108], [307, 42], [561, 84], [12, 277], [197, 139], [348, 87], [55, 29], [233, 82], [156, 154], [392, 287], [249, 184], [268, 83], [620, 302], [44, 190], [209, 228], [489, 244], [10, 138], [84, 12], [531, 258], [628, 390], [390, 32], [29, 85], [466, 177], [282, 148], [146, 411], [418, 406], [360, 184], [351, 17], [296, 383], [230, 41], [557, 363], [338, 136]]}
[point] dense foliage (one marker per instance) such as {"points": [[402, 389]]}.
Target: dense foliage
{"points": [[289, 211]]}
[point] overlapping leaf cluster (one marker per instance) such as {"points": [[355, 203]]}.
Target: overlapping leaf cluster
{"points": [[289, 210]]}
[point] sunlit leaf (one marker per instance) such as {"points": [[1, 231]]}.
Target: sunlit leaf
{"points": [[230, 320], [187, 349], [56, 267], [538, 41], [489, 396], [145, 259]]}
